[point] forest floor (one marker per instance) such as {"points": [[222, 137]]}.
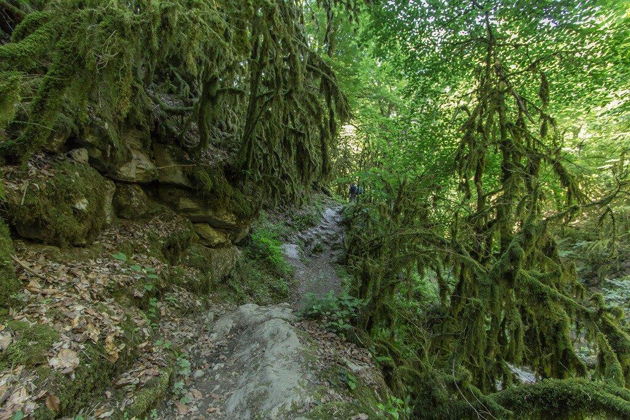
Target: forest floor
{"points": [[314, 255], [266, 362], [115, 341]]}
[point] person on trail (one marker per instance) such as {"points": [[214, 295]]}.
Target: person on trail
{"points": [[354, 190]]}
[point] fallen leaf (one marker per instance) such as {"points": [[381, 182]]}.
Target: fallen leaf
{"points": [[182, 409], [52, 402], [106, 414], [5, 341], [110, 349], [66, 361], [196, 394]]}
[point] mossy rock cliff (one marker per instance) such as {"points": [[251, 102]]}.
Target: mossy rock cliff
{"points": [[65, 204], [9, 284]]}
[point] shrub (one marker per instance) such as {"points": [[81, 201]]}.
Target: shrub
{"points": [[337, 311]]}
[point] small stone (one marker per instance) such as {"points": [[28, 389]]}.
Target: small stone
{"points": [[198, 373], [211, 236], [81, 204], [79, 155]]}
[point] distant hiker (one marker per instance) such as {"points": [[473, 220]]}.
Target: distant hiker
{"points": [[354, 190]]}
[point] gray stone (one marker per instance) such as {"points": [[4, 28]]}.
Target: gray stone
{"points": [[79, 155], [210, 236], [131, 202], [140, 169], [272, 380], [170, 169]]}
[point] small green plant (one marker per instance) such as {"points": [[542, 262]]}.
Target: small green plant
{"points": [[337, 312], [153, 312], [395, 408], [183, 366], [165, 344], [178, 389], [120, 256], [349, 379], [266, 247]]}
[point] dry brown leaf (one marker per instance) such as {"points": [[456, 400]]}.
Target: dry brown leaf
{"points": [[18, 397], [110, 349], [52, 402], [105, 414], [5, 341], [66, 361], [92, 332], [196, 394], [182, 409]]}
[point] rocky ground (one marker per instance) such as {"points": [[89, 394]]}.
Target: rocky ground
{"points": [[313, 254], [264, 362], [139, 325]]}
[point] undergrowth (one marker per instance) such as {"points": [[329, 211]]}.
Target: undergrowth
{"points": [[337, 312]]}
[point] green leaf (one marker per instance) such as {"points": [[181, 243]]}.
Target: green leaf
{"points": [[120, 256]]}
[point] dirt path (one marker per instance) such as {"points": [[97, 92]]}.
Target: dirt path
{"points": [[261, 361], [313, 255]]}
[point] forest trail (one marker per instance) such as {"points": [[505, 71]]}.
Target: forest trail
{"points": [[313, 254], [262, 361]]}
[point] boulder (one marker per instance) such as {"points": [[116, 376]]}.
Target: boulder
{"points": [[170, 166], [80, 155], [198, 212], [139, 169], [217, 262], [121, 157], [273, 380], [210, 236], [68, 204], [9, 283], [131, 202]]}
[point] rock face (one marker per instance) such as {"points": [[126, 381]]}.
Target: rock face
{"points": [[210, 236], [139, 168], [69, 208], [131, 202], [72, 199], [272, 381], [9, 284], [216, 262], [170, 169]]}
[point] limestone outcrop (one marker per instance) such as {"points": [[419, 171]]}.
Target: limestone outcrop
{"points": [[67, 203]]}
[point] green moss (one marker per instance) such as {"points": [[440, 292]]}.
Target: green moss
{"points": [[212, 182], [76, 392], [147, 397], [251, 282], [9, 284], [551, 398], [70, 208], [30, 346], [361, 398]]}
